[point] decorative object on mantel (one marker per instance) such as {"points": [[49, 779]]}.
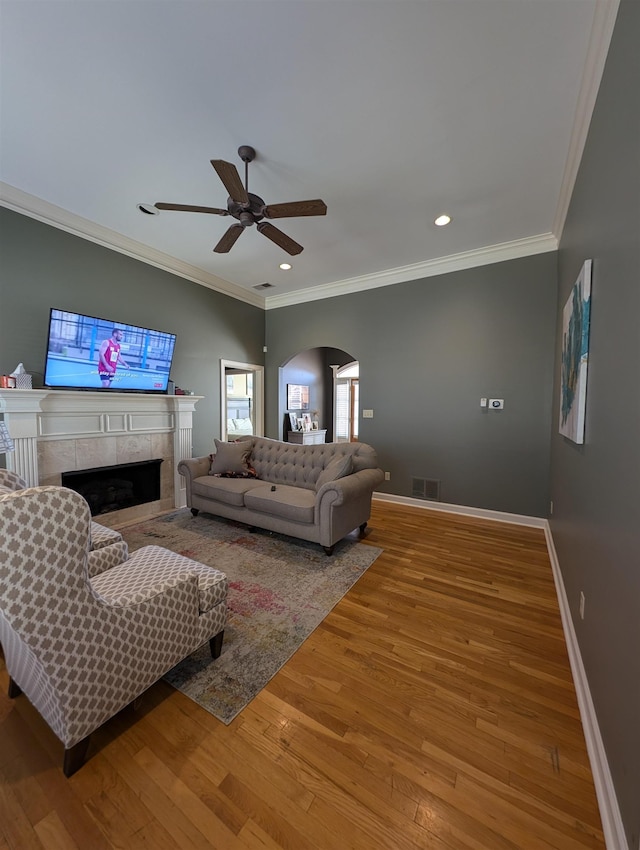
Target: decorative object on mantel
{"points": [[22, 378], [280, 590]]}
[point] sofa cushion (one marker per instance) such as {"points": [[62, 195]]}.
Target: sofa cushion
{"points": [[291, 503], [229, 457], [336, 468], [228, 490]]}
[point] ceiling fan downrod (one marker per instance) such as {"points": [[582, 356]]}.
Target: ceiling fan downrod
{"points": [[247, 154]]}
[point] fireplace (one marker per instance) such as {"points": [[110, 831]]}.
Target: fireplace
{"points": [[58, 431], [112, 488]]}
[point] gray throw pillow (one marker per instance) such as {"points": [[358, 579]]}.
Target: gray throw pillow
{"points": [[336, 468], [229, 457]]}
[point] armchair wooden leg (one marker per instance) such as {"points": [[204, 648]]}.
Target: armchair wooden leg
{"points": [[74, 757], [14, 690], [328, 550], [195, 511], [215, 644]]}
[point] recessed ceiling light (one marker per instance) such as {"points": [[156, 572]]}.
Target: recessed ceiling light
{"points": [[148, 209], [442, 220], [285, 266]]}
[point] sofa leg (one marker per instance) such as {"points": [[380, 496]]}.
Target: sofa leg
{"points": [[362, 527], [13, 690], [74, 757], [328, 550], [215, 644], [195, 511]]}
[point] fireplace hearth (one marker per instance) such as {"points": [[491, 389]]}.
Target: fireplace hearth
{"points": [[112, 488]]}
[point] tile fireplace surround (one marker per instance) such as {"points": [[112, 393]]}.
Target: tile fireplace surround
{"points": [[56, 431]]}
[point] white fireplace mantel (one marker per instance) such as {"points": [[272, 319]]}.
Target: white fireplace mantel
{"points": [[34, 416]]}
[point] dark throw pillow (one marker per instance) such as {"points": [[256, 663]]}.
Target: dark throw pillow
{"points": [[230, 458]]}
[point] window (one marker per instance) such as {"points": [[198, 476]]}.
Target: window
{"points": [[346, 403]]}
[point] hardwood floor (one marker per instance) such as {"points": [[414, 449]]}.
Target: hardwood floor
{"points": [[433, 708]]}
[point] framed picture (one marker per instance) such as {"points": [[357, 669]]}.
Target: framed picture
{"points": [[575, 356], [297, 397], [293, 422], [314, 426]]}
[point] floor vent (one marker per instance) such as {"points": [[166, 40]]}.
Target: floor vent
{"points": [[425, 488]]}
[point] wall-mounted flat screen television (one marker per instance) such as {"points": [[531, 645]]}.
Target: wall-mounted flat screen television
{"points": [[88, 353]]}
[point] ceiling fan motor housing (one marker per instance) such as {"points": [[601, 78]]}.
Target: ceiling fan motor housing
{"points": [[241, 212]]}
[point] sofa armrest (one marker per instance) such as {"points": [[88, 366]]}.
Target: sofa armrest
{"points": [[352, 486], [194, 467]]}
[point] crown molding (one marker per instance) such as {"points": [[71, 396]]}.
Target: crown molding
{"points": [[22, 202], [441, 265], [29, 205], [604, 19]]}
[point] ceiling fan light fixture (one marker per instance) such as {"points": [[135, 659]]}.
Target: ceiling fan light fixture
{"points": [[148, 209], [246, 219], [442, 220]]}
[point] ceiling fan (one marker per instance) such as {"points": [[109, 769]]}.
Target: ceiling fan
{"points": [[250, 209]]}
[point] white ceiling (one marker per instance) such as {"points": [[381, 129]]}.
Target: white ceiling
{"points": [[391, 111]]}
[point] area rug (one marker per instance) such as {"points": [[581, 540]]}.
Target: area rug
{"points": [[280, 590]]}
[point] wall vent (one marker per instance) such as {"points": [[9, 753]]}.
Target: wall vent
{"points": [[263, 286], [425, 488]]}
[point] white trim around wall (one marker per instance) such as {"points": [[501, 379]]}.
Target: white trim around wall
{"points": [[612, 826], [614, 835], [479, 513]]}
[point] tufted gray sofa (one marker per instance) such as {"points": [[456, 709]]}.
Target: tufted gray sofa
{"points": [[297, 491]]}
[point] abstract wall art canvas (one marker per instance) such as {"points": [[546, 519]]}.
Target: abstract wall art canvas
{"points": [[575, 356]]}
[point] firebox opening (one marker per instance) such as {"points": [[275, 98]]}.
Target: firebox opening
{"points": [[111, 488]]}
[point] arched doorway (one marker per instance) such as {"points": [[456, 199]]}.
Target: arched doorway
{"points": [[314, 369]]}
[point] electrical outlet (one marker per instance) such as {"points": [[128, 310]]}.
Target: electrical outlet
{"points": [[483, 402], [581, 605], [367, 414], [387, 476]]}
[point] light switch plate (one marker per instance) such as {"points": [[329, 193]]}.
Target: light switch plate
{"points": [[367, 414]]}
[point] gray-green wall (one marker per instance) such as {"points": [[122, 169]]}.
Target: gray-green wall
{"points": [[428, 351], [43, 267], [596, 486]]}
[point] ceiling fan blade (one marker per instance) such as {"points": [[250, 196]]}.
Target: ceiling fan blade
{"points": [[189, 208], [228, 239], [228, 173], [296, 208], [281, 239]]}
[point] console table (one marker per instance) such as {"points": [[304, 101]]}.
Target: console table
{"points": [[307, 438]]}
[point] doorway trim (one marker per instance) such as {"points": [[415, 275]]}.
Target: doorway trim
{"points": [[258, 390]]}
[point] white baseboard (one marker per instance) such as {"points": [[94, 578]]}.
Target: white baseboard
{"points": [[612, 827], [614, 835], [480, 513]]}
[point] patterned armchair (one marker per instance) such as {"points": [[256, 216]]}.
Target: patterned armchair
{"points": [[86, 632], [100, 535]]}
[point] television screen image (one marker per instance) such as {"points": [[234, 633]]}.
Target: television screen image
{"points": [[87, 353]]}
